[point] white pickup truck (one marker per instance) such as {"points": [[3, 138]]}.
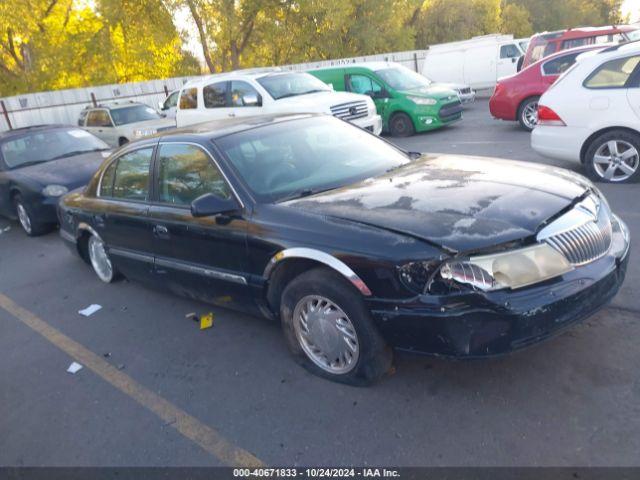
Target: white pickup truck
{"points": [[270, 91]]}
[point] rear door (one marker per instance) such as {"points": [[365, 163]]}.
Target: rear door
{"points": [[201, 257], [121, 215]]}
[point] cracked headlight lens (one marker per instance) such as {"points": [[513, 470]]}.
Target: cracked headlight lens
{"points": [[511, 269]]}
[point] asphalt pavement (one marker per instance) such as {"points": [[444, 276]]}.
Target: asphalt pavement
{"points": [[156, 390]]}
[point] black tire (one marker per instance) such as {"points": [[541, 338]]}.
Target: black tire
{"points": [[599, 142], [400, 125], [531, 101], [520, 63], [122, 141], [29, 224], [375, 357]]}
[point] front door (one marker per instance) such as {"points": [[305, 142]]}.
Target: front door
{"points": [[365, 85], [507, 63], [120, 217], [200, 257]]}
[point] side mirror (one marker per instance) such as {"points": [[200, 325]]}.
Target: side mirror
{"points": [[209, 204], [514, 59], [251, 100]]}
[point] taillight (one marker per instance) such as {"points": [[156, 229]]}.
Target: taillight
{"points": [[548, 117]]}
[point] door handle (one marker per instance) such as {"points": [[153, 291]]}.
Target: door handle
{"points": [[161, 231], [232, 114], [98, 220]]}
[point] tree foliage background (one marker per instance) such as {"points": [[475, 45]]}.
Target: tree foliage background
{"points": [[54, 44]]}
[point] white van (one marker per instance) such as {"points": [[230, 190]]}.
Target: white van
{"points": [[478, 62], [269, 91]]}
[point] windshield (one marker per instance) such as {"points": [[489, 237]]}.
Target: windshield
{"points": [[633, 35], [44, 146], [401, 78], [297, 158], [292, 84], [133, 114]]}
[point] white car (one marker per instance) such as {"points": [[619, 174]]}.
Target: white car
{"points": [[117, 123], [169, 105], [262, 92], [592, 115]]}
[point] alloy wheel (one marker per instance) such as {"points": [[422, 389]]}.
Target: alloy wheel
{"points": [[100, 260], [326, 334], [530, 114], [616, 160], [23, 217]]}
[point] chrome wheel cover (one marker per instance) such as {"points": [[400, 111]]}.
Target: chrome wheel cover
{"points": [[23, 217], [530, 114], [100, 260], [616, 160], [326, 334]]}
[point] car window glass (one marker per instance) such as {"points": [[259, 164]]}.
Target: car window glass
{"points": [[189, 99], [559, 65], [244, 95], [363, 84], [186, 172], [612, 74], [509, 51], [215, 95], [106, 184], [171, 101], [549, 49], [82, 118], [537, 52], [98, 118], [132, 175], [134, 114]]}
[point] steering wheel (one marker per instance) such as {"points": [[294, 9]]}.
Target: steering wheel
{"points": [[284, 173]]}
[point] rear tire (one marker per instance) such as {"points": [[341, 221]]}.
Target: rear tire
{"points": [[330, 331], [26, 218], [614, 157], [400, 125], [528, 113]]}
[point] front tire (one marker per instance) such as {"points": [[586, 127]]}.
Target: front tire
{"points": [[27, 220], [614, 157], [99, 259], [400, 125], [330, 331], [528, 113]]}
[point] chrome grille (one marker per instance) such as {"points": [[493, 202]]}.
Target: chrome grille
{"points": [[350, 110], [588, 239]]}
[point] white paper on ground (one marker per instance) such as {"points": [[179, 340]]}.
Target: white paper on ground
{"points": [[90, 310], [74, 367]]}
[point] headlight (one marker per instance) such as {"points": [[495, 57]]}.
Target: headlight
{"points": [[144, 132], [422, 100], [54, 190], [620, 237], [513, 269], [416, 275]]}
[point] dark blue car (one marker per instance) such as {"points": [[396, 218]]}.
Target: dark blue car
{"points": [[38, 165]]}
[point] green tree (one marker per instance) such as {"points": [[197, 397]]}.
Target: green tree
{"points": [[514, 19]]}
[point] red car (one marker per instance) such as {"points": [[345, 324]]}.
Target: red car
{"points": [[544, 44], [516, 97]]}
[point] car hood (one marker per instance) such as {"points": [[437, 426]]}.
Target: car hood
{"points": [[437, 91], [72, 172], [459, 203], [319, 101]]}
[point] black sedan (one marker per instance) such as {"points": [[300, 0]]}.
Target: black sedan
{"points": [[40, 164], [356, 246]]}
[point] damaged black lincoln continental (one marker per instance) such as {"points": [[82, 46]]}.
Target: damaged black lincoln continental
{"points": [[357, 247]]}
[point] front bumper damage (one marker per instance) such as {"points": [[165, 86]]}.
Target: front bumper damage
{"points": [[481, 324]]}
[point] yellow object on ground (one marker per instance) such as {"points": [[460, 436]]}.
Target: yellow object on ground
{"points": [[206, 321]]}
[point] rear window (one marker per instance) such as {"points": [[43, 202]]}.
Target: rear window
{"points": [[559, 65], [613, 74]]}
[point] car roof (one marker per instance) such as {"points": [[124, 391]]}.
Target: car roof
{"points": [[223, 127], [114, 105], [246, 74], [584, 31], [374, 66], [33, 128]]}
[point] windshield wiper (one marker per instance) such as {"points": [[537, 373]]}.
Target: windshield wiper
{"points": [[79, 152], [304, 192], [28, 164]]}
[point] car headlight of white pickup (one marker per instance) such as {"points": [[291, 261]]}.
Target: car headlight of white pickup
{"points": [[54, 190], [511, 269], [144, 132], [422, 100]]}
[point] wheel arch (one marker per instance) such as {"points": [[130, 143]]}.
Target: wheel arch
{"points": [[287, 264], [525, 99], [83, 232], [597, 133]]}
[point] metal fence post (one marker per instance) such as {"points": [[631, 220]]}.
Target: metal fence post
{"points": [[6, 114], [93, 99], [415, 61]]}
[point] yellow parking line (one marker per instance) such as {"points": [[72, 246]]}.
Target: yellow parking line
{"points": [[203, 435]]}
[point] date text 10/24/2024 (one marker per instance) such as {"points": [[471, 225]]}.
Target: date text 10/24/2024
{"points": [[315, 473]]}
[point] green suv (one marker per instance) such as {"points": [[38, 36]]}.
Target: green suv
{"points": [[406, 101]]}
